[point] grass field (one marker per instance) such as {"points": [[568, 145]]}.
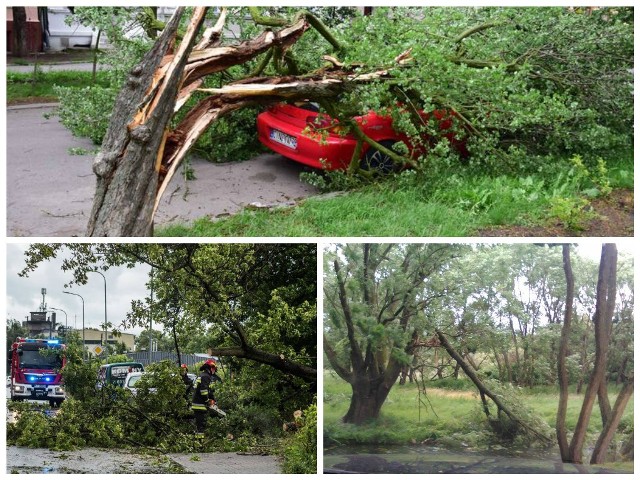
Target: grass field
{"points": [[38, 86], [456, 207], [444, 417]]}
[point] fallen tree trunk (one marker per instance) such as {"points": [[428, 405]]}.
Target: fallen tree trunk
{"points": [[484, 391]]}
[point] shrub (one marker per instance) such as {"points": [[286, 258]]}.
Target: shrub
{"points": [[300, 453]]}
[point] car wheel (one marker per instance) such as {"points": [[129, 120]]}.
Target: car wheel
{"points": [[378, 162]]}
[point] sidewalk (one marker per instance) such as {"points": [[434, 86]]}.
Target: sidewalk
{"points": [[55, 67], [50, 191]]}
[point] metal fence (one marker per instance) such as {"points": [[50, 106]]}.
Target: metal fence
{"points": [[190, 358]]}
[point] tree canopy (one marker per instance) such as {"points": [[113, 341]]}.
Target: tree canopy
{"points": [[255, 302]]}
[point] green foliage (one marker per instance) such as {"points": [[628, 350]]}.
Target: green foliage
{"points": [[300, 452], [232, 138], [451, 383], [457, 204], [506, 429], [14, 330], [572, 212], [86, 111], [527, 84]]}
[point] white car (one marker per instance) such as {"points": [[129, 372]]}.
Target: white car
{"points": [[131, 380]]}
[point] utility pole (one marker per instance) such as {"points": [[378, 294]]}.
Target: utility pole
{"points": [[151, 319]]}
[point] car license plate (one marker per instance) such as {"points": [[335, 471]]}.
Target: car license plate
{"points": [[284, 139], [40, 393]]}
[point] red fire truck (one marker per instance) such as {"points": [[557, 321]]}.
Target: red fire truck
{"points": [[35, 370]]}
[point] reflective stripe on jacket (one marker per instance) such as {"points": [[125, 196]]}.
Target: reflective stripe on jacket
{"points": [[202, 391]]}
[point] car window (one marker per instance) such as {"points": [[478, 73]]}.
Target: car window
{"points": [[133, 380]]}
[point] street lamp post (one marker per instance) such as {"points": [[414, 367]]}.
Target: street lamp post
{"points": [[83, 342], [106, 343]]}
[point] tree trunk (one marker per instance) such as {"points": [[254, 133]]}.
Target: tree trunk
{"points": [[605, 302], [126, 165], [19, 35], [507, 366], [603, 401], [563, 377], [583, 361], [604, 440], [367, 399]]}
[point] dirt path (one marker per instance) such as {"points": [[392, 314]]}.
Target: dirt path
{"points": [[50, 191], [103, 461]]}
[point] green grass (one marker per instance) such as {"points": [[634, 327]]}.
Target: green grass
{"points": [[445, 417], [457, 206], [28, 87]]}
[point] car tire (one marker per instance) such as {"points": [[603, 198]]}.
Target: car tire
{"points": [[378, 162]]}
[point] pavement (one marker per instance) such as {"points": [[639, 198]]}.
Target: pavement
{"points": [[112, 461], [50, 191], [55, 67]]}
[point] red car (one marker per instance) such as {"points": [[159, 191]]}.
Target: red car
{"points": [[302, 134]]}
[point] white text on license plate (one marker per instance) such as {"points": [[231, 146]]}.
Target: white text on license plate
{"points": [[284, 139]]}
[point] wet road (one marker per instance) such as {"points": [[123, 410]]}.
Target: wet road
{"points": [[103, 461], [50, 191]]}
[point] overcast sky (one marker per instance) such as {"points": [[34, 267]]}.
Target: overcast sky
{"points": [[24, 293]]}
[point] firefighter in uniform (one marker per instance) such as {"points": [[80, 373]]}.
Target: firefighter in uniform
{"points": [[203, 398]]}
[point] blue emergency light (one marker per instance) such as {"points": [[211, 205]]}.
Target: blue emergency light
{"points": [[53, 342]]}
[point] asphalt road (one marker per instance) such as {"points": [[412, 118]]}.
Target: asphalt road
{"points": [[50, 191], [111, 461]]}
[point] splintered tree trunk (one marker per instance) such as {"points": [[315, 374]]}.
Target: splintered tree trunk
{"points": [[126, 166]]}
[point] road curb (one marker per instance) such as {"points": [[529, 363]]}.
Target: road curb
{"points": [[32, 105]]}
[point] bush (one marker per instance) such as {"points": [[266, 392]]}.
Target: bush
{"points": [[300, 453], [451, 383], [86, 111]]}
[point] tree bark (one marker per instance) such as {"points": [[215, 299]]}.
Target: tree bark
{"points": [[367, 399], [279, 362], [609, 430], [563, 377], [605, 302], [126, 166], [19, 33]]}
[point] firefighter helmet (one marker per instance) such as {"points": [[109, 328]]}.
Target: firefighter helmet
{"points": [[209, 363]]}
